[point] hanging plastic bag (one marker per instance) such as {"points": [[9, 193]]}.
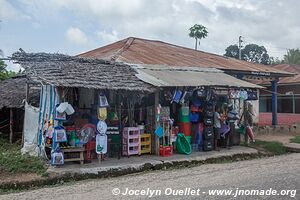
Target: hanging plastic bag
{"points": [[103, 101], [177, 96], [65, 107], [60, 134], [101, 127], [57, 157], [59, 115], [70, 110], [102, 113], [61, 108], [101, 144]]}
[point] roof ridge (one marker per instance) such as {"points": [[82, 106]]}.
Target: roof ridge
{"points": [[124, 48], [188, 48]]}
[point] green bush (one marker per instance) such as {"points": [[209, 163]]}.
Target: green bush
{"points": [[296, 139], [276, 148], [12, 160]]}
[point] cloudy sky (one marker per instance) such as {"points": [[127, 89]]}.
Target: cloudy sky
{"points": [[75, 26]]}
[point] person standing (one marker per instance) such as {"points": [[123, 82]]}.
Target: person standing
{"points": [[217, 127]]}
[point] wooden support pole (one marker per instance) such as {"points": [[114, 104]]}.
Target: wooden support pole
{"points": [[156, 103], [11, 126], [274, 102], [27, 92]]}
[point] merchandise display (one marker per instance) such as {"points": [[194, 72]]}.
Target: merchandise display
{"points": [[182, 120]]}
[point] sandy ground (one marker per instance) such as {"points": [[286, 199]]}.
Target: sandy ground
{"points": [[280, 138], [278, 173]]}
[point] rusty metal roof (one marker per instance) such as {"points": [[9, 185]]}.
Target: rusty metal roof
{"points": [[173, 76], [142, 51], [295, 69]]}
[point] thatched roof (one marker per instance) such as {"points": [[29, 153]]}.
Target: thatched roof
{"points": [[13, 93], [67, 71]]}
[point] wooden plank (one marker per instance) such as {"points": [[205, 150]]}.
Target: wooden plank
{"points": [[72, 159], [67, 150]]}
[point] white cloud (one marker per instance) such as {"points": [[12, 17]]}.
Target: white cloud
{"points": [[107, 37], [274, 24], [76, 36], [7, 11]]}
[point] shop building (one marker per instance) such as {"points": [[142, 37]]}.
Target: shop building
{"points": [[90, 107]]}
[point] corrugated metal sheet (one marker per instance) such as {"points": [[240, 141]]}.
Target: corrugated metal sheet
{"points": [[161, 76], [142, 51], [286, 80]]}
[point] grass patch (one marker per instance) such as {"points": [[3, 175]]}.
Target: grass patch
{"points": [[12, 160], [275, 148], [296, 139]]}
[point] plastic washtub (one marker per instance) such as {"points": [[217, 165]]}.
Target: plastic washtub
{"points": [[183, 145]]}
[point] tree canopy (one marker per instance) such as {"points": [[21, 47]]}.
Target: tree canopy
{"points": [[4, 74], [251, 53], [198, 32], [292, 57]]}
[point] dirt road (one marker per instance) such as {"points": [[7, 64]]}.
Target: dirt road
{"points": [[277, 173]]}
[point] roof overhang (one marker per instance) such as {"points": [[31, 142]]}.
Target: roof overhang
{"points": [[261, 74], [174, 76]]}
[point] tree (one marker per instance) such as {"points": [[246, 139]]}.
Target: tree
{"points": [[4, 74], [255, 53], [292, 57], [275, 61], [232, 51], [251, 53], [198, 32]]}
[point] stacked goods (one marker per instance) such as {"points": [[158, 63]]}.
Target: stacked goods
{"points": [[145, 143], [184, 121], [208, 132], [131, 141], [197, 126]]}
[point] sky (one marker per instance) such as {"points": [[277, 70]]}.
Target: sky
{"points": [[75, 26]]}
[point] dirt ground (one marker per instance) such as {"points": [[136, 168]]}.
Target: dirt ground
{"points": [[285, 139], [278, 173], [7, 177]]}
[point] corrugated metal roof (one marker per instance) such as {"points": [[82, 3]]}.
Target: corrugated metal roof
{"points": [[142, 51], [286, 80], [162, 76]]}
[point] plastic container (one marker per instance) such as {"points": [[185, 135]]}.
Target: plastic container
{"points": [[185, 128], [189, 138], [183, 145], [165, 151], [184, 114]]}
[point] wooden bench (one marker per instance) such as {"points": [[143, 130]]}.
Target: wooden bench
{"points": [[74, 154]]}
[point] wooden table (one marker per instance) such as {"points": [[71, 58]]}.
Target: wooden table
{"points": [[76, 154]]}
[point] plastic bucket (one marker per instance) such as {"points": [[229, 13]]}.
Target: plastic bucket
{"points": [[185, 128], [184, 114], [183, 145]]}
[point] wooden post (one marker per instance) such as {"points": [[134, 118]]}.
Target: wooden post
{"points": [[27, 92], [156, 103], [274, 102], [120, 146], [11, 126]]}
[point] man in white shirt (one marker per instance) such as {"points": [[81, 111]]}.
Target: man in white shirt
{"points": [[217, 127]]}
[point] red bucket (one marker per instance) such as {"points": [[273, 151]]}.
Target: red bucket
{"points": [[185, 128]]}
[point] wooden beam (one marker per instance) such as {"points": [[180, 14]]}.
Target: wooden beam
{"points": [[11, 126], [156, 103], [274, 102]]}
